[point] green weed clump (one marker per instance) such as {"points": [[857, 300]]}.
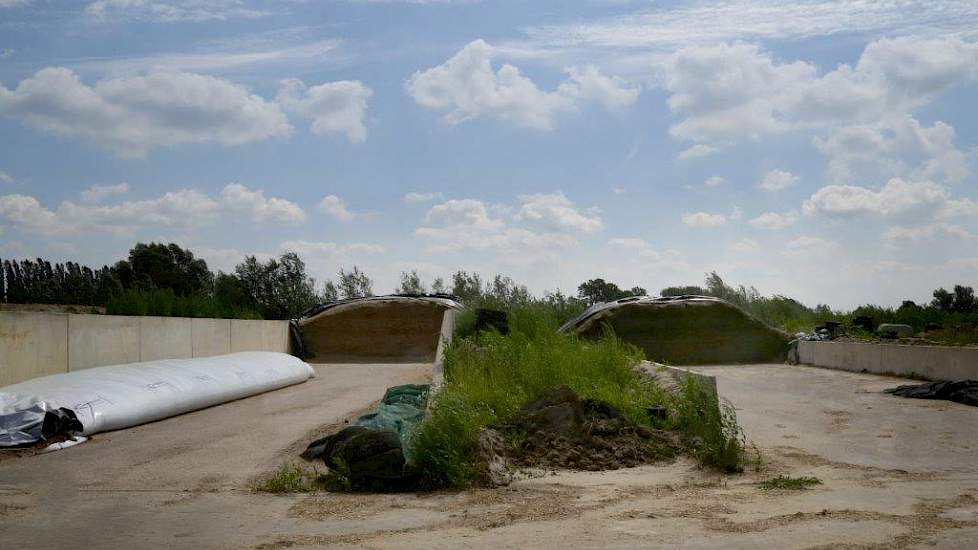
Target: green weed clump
{"points": [[488, 377], [718, 441], [165, 303], [790, 483], [289, 478]]}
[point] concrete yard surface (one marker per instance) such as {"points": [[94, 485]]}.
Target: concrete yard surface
{"points": [[895, 473]]}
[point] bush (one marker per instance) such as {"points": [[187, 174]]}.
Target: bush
{"points": [[165, 303]]}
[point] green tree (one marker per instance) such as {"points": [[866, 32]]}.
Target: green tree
{"points": [[467, 287], [438, 286], [164, 266], [410, 284], [596, 291], [280, 289], [354, 284], [943, 300], [964, 299]]}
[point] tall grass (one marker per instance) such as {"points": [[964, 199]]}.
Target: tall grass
{"points": [[488, 377], [165, 303]]}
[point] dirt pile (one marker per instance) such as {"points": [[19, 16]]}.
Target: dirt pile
{"points": [[560, 429]]}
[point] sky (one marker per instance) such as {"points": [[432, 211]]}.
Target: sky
{"points": [[821, 150]]}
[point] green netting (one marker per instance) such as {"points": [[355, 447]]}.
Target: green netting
{"points": [[400, 411]]}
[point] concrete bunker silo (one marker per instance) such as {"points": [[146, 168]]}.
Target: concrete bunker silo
{"points": [[685, 330], [378, 329]]}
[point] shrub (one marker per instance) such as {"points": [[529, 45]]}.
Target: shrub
{"points": [[165, 303]]}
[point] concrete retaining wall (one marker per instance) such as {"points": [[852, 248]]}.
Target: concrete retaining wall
{"points": [[930, 362], [34, 344]]}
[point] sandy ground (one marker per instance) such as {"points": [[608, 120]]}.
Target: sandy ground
{"points": [[896, 473]]}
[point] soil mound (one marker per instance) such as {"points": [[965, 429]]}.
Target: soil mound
{"points": [[560, 429]]}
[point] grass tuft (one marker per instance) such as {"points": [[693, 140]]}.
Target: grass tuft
{"points": [[791, 483], [290, 478]]}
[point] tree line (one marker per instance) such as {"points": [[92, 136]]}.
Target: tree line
{"points": [[166, 279]]}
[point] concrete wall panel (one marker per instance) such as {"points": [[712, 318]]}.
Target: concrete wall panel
{"points": [[32, 344], [165, 338], [210, 337], [275, 336], [930, 362], [246, 335], [99, 340]]}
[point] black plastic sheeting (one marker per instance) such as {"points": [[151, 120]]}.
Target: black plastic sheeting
{"points": [[964, 391], [36, 424]]}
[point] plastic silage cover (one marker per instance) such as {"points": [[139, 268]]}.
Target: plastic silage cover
{"points": [[119, 396]]}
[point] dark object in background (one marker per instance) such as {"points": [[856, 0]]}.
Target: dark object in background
{"points": [[831, 326], [864, 322], [486, 319], [964, 391], [930, 327]]}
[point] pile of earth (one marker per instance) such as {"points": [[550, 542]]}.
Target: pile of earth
{"points": [[560, 429]]}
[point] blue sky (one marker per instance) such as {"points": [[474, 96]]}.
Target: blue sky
{"points": [[823, 150]]}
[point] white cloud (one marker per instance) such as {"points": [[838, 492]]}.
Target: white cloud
{"points": [[132, 115], [333, 106], [745, 246], [7, 53], [466, 87], [774, 220], [636, 246], [897, 197], [587, 83], [7, 178], [714, 181], [329, 250], [887, 143], [898, 235], [462, 213], [778, 180], [729, 92], [697, 151], [185, 208], [416, 197], [703, 219], [253, 203], [665, 27], [253, 53], [170, 11], [336, 207], [555, 211], [619, 190], [811, 247], [13, 3], [97, 193], [469, 225]]}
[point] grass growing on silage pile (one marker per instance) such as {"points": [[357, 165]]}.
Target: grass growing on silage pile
{"points": [[488, 377]]}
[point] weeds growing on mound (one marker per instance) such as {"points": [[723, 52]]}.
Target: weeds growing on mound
{"points": [[488, 377]]}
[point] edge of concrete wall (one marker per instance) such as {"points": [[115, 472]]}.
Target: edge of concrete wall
{"points": [[675, 376], [928, 362], [444, 338]]}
